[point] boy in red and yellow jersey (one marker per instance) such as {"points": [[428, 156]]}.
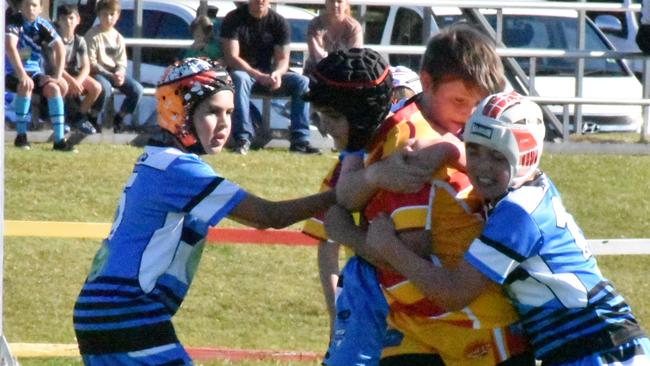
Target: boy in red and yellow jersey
{"points": [[459, 68]]}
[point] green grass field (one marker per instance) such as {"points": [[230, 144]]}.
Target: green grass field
{"points": [[253, 296]]}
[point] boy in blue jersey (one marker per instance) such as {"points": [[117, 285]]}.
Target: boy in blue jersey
{"points": [[530, 245], [26, 35], [144, 268]]}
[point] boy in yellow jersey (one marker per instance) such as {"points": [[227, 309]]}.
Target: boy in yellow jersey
{"points": [[352, 92], [459, 68]]}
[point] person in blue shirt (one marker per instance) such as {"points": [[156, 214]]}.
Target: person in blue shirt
{"points": [[27, 34], [530, 245], [144, 268]]}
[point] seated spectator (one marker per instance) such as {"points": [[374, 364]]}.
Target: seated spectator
{"points": [[643, 35], [26, 34], [333, 30], [82, 88], [205, 44], [255, 41], [107, 54], [406, 84]]}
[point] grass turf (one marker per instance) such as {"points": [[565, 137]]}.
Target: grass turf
{"points": [[253, 296]]}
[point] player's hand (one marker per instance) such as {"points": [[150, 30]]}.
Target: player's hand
{"points": [[395, 174], [381, 234]]}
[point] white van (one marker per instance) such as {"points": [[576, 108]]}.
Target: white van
{"points": [[527, 28]]}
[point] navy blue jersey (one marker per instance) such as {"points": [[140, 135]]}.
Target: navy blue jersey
{"points": [[32, 37], [532, 246], [142, 271]]}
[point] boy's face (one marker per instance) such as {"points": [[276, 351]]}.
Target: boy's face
{"points": [[69, 22], [336, 125], [30, 9], [212, 121], [450, 103], [108, 19], [488, 170]]}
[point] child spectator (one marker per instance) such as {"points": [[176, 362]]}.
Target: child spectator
{"points": [[82, 88], [26, 34], [205, 44], [107, 54], [406, 84], [143, 270], [530, 245]]}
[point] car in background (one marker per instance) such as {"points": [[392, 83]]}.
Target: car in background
{"points": [[163, 19], [528, 28]]}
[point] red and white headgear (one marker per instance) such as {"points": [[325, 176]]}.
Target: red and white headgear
{"points": [[182, 87], [512, 125], [403, 76]]}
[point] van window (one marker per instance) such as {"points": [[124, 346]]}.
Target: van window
{"points": [[376, 17], [158, 25], [406, 31], [547, 32]]}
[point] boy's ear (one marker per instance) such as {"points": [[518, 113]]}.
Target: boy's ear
{"points": [[425, 80]]}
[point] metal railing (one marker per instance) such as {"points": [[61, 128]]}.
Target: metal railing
{"points": [[532, 54]]}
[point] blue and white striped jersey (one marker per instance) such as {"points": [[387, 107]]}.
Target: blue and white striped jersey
{"points": [[32, 38], [142, 271], [532, 246]]}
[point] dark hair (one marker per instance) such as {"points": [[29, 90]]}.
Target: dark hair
{"points": [[66, 9], [356, 83], [462, 52], [110, 5]]}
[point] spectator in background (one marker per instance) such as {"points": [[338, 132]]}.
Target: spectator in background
{"points": [[107, 54], [205, 44], [82, 88], [406, 84], [255, 42], [26, 34], [643, 35], [333, 30]]}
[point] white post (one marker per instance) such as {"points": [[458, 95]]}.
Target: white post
{"points": [[5, 355]]}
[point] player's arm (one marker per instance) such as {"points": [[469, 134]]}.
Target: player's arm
{"points": [[11, 49], [450, 289], [58, 58], [328, 271], [433, 154], [340, 227], [261, 213], [358, 184]]}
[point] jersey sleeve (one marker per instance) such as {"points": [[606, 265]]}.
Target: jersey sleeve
{"points": [[509, 237], [47, 32], [191, 186], [14, 25], [407, 210]]}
